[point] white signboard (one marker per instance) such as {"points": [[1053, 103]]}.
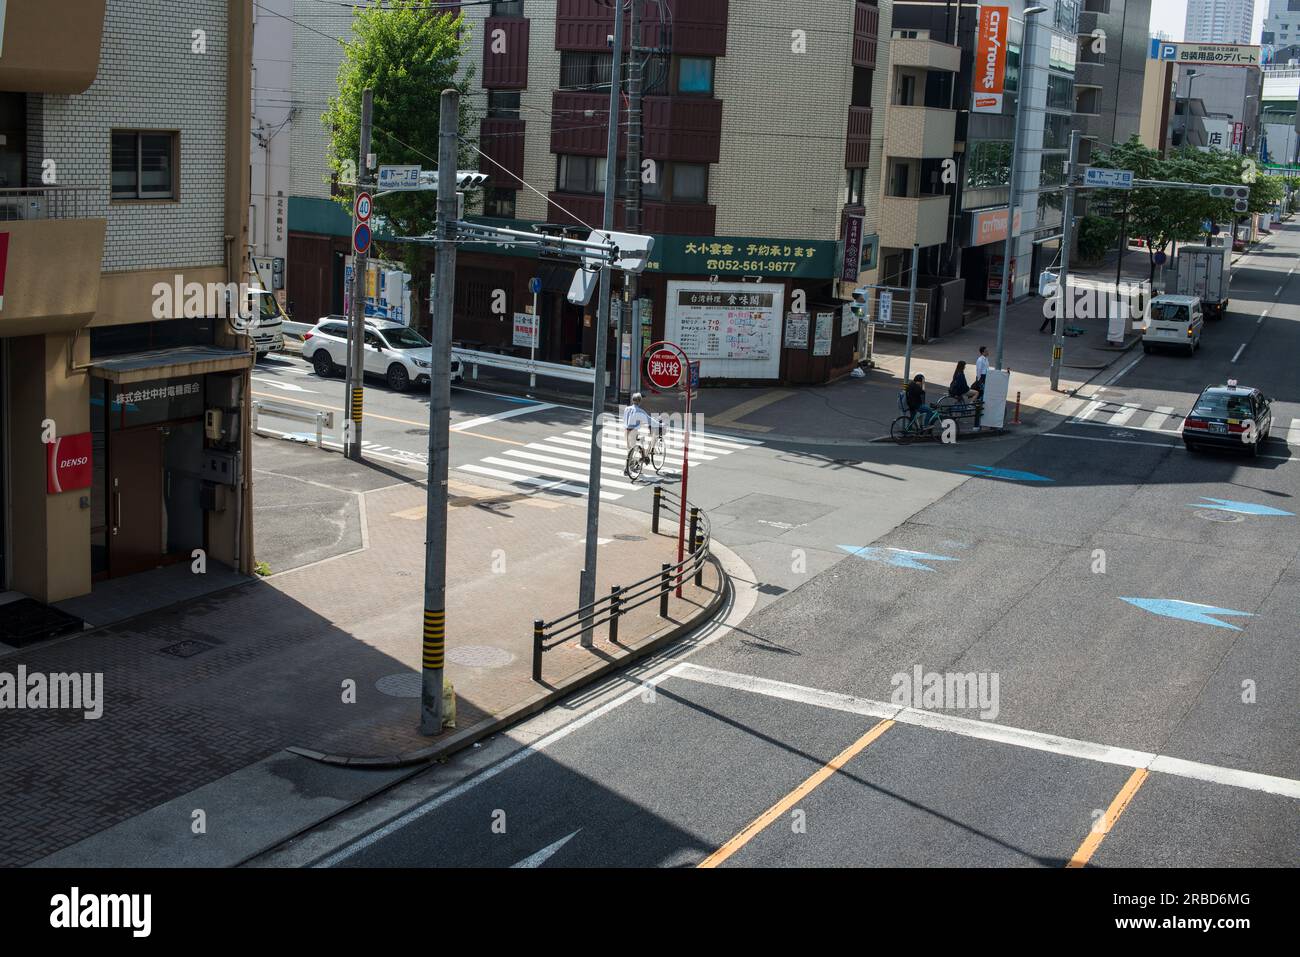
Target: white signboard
{"points": [[526, 329], [885, 308], [399, 177], [734, 328], [796, 331], [848, 320], [825, 332]]}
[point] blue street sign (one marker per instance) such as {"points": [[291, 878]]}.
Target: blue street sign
{"points": [[535, 285], [1159, 259], [361, 238], [1108, 178], [1245, 508], [1187, 611], [1011, 475], [695, 376], [898, 557]]}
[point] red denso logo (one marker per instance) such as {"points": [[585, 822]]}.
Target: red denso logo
{"points": [[70, 463]]}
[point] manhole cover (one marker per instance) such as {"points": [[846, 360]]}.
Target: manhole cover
{"points": [[184, 649], [1210, 515], [480, 656], [406, 685], [630, 538]]}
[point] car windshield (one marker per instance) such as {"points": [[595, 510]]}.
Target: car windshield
{"points": [[268, 308], [1168, 312], [405, 338], [1222, 403]]}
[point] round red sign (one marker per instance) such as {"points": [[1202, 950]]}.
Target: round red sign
{"points": [[664, 369]]}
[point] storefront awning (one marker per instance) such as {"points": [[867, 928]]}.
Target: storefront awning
{"points": [[169, 363]]}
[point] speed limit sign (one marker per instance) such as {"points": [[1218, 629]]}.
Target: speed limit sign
{"points": [[664, 369], [363, 207]]}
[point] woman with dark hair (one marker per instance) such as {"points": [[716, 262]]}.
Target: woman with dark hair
{"points": [[960, 389]]}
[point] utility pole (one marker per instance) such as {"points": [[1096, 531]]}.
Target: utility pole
{"points": [[587, 583], [1063, 285], [435, 525], [1022, 97], [632, 208], [911, 317], [357, 321]]}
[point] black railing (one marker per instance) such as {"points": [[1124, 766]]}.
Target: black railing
{"points": [[623, 598]]}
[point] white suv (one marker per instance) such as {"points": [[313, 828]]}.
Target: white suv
{"points": [[395, 351]]}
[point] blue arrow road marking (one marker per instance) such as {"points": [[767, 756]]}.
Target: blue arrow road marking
{"points": [[1246, 508], [987, 471], [1187, 611], [898, 557]]}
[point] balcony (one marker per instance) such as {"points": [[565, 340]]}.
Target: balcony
{"points": [[503, 141], [866, 26], [682, 219], [51, 46], [1089, 20], [699, 27], [1090, 125], [919, 132], [1089, 74], [857, 149], [928, 54], [52, 265], [913, 220], [508, 69], [680, 128]]}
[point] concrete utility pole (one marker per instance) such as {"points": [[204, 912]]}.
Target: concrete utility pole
{"points": [[1063, 285], [587, 583], [911, 317], [1022, 97], [435, 526], [357, 322], [632, 207]]}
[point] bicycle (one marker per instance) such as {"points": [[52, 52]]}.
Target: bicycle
{"points": [[657, 456], [909, 426]]}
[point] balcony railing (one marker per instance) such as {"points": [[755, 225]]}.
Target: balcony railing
{"points": [[866, 27], [857, 149], [908, 220], [47, 202], [682, 128], [930, 54], [919, 132]]}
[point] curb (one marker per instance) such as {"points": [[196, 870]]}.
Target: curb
{"points": [[538, 702]]}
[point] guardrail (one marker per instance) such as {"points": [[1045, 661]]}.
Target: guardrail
{"points": [[47, 202], [493, 360], [323, 419], [623, 598]]}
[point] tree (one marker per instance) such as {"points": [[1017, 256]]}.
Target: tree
{"points": [[407, 53]]}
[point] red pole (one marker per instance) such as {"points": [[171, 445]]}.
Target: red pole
{"points": [[686, 464]]}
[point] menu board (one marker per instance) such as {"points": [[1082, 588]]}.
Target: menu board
{"points": [[726, 323], [796, 331], [824, 333]]}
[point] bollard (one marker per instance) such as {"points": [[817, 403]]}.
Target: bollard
{"points": [[695, 525], [539, 633], [697, 551], [320, 430], [665, 583], [615, 602], [654, 514], [1016, 420]]}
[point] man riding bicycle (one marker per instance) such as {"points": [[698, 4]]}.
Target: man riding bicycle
{"points": [[633, 418], [916, 404]]}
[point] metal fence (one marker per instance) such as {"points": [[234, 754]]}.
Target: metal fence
{"points": [[898, 312], [47, 202], [623, 598]]}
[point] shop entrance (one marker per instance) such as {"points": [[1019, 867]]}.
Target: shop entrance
{"points": [[135, 486]]}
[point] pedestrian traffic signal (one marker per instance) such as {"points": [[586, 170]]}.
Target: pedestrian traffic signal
{"points": [[467, 180]]}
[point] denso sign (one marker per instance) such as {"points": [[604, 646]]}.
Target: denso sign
{"points": [[990, 60], [68, 463]]}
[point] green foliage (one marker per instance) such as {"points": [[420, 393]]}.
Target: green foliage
{"points": [[407, 54], [1096, 235]]}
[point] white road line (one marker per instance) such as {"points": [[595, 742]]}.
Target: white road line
{"points": [[1089, 410], [533, 456], [1293, 433], [541, 484], [1156, 420], [1124, 414], [1122, 372], [1240, 350], [987, 731], [497, 417], [553, 471], [546, 853], [615, 442], [1278, 291], [1177, 447], [613, 448], [705, 439]]}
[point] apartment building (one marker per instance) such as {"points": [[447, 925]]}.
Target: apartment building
{"points": [[1219, 21], [1110, 70], [124, 160], [762, 141], [1280, 35]]}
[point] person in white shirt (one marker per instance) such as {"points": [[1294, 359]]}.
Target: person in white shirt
{"points": [[981, 369], [633, 418]]}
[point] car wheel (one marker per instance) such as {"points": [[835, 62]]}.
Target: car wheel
{"points": [[398, 380], [1190, 446], [322, 363], [1146, 347]]}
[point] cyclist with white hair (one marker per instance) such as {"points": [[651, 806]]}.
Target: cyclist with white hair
{"points": [[633, 418]]}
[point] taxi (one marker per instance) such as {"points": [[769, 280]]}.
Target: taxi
{"points": [[1229, 416]]}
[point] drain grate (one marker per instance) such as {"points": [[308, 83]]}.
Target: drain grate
{"points": [[185, 649]]}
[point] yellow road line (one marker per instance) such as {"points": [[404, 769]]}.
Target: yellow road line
{"points": [[751, 405], [1117, 806], [793, 798], [386, 418]]}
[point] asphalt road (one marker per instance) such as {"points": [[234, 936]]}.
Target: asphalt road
{"points": [[1122, 612]]}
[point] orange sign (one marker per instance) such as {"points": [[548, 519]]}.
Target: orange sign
{"points": [[990, 59], [990, 226]]}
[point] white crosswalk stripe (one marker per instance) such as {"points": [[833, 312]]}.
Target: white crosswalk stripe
{"points": [[1156, 420], [560, 462], [1124, 414], [1162, 419], [1293, 433]]}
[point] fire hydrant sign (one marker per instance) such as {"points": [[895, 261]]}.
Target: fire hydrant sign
{"points": [[664, 369], [526, 330], [68, 463]]}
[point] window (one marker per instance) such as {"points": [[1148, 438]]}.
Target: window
{"points": [[508, 8], [1060, 93], [690, 182], [579, 71], [405, 338], [503, 104], [988, 164], [695, 75], [499, 202], [654, 75], [144, 165], [577, 174], [857, 187], [861, 86]]}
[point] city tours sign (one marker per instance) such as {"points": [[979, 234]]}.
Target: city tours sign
{"points": [[990, 59]]}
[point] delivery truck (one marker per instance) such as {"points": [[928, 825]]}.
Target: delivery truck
{"points": [[1204, 272]]}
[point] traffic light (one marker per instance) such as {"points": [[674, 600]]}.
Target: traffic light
{"points": [[469, 180], [1241, 205], [1230, 192], [858, 306]]}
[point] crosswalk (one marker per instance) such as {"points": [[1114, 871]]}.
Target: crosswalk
{"points": [[560, 462], [1115, 414]]}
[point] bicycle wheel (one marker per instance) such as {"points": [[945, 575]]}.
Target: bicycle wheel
{"points": [[634, 464], [659, 454], [934, 427], [899, 430]]}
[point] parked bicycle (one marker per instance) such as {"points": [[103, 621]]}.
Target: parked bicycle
{"points": [[656, 454]]}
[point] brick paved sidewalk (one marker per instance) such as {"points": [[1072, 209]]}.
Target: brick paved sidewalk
{"points": [[271, 659]]}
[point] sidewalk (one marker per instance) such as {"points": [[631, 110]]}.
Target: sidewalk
{"points": [[322, 658]]}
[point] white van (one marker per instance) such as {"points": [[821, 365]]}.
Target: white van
{"points": [[1175, 321]]}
